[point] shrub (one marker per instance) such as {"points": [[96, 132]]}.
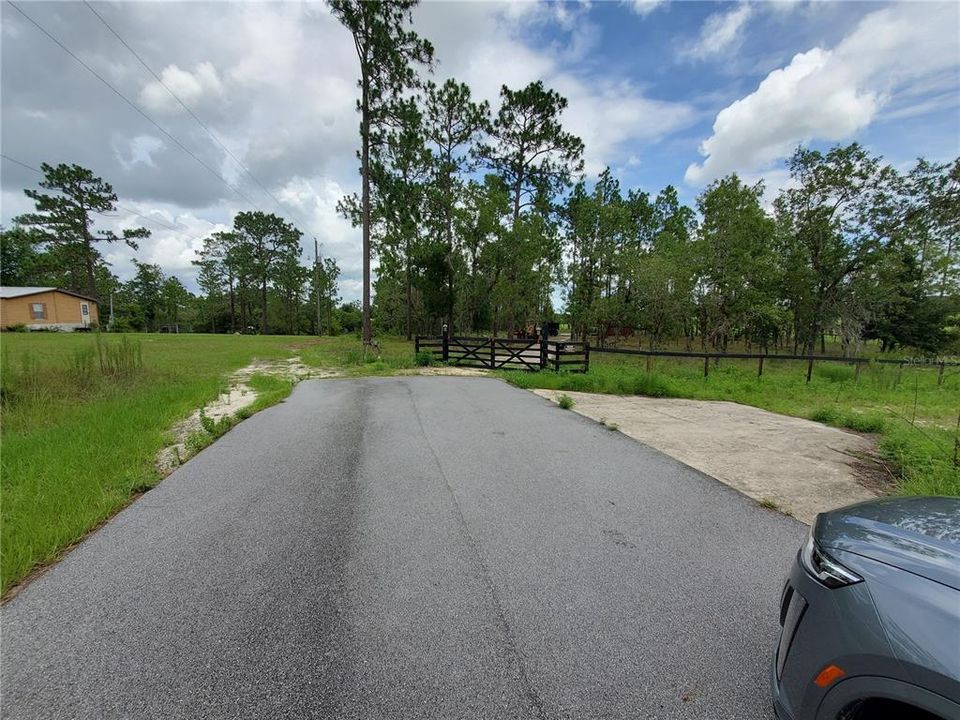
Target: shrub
{"points": [[424, 358], [565, 402]]}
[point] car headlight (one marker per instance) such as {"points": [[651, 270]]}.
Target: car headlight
{"points": [[823, 567]]}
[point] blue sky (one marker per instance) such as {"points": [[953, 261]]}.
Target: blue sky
{"points": [[664, 93]]}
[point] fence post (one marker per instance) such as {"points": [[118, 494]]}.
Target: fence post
{"points": [[416, 344], [543, 346], [809, 368], [556, 357], [706, 366], [446, 343], [586, 356], [493, 354], [760, 367]]}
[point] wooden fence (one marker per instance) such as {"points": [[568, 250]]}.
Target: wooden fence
{"points": [[492, 353], [858, 362]]}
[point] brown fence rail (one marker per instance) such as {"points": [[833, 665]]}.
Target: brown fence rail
{"points": [[762, 357], [492, 353]]}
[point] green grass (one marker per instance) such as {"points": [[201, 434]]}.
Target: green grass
{"points": [[346, 353], [77, 444], [914, 418], [83, 422]]}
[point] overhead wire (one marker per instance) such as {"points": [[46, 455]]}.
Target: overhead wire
{"points": [[189, 111], [133, 105]]}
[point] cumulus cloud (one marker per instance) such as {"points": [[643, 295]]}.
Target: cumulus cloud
{"points": [[485, 49], [721, 33], [606, 114], [645, 7], [830, 94], [195, 88]]}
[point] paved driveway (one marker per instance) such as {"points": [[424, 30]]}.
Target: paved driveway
{"points": [[411, 548]]}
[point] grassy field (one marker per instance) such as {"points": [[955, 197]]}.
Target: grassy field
{"points": [[78, 443], [915, 419]]}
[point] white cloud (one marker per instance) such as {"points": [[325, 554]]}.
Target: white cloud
{"points": [[316, 202], [138, 150], [173, 248], [606, 114], [645, 7], [721, 33], [831, 94], [483, 49], [194, 88]]}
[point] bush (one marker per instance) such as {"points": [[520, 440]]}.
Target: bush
{"points": [[19, 327], [565, 402], [424, 358]]}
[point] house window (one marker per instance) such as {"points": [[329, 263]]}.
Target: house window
{"points": [[84, 309], [38, 311]]}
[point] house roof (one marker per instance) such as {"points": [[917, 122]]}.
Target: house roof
{"points": [[14, 292]]}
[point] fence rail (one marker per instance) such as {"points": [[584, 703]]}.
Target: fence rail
{"points": [[524, 354], [763, 357]]}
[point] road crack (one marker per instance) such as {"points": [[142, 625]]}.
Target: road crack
{"points": [[529, 692]]}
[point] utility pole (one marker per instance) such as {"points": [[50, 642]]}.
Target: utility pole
{"points": [[316, 278]]}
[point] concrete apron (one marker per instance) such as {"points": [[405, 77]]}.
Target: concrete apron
{"points": [[800, 466]]}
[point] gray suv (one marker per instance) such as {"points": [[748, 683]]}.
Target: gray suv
{"points": [[870, 615]]}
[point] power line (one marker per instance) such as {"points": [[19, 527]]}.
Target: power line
{"points": [[185, 107], [118, 205], [134, 105]]}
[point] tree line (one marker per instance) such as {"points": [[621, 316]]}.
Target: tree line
{"points": [[475, 217], [251, 278]]}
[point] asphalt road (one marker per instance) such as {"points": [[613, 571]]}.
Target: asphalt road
{"points": [[411, 548]]}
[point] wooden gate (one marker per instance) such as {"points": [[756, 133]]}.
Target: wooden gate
{"points": [[492, 353]]}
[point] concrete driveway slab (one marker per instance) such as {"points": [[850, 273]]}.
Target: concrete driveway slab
{"points": [[802, 466]]}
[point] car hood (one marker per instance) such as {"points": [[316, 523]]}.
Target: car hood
{"points": [[918, 534]]}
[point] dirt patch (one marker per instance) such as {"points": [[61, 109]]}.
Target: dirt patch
{"points": [[292, 368], [227, 404], [238, 396], [794, 465], [447, 370]]}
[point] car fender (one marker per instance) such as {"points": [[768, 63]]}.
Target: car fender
{"points": [[863, 687]]}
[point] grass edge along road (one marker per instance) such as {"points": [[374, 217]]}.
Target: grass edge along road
{"points": [[914, 418], [80, 440]]}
